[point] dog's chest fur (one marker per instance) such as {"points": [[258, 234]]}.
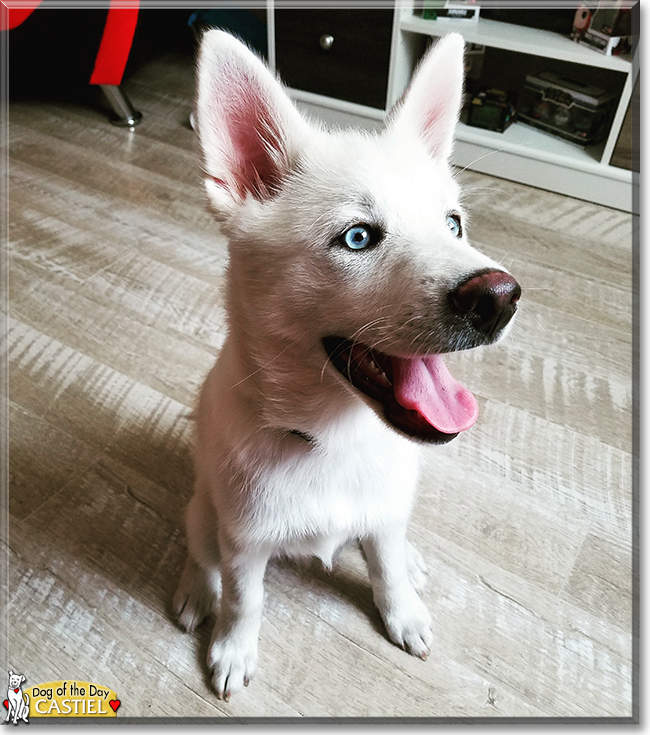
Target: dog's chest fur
{"points": [[303, 496], [316, 496]]}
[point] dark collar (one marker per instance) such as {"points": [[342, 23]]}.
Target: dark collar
{"points": [[302, 435]]}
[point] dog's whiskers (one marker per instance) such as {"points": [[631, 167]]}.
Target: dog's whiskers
{"points": [[416, 338], [532, 313], [355, 339], [475, 189], [322, 372], [374, 322], [480, 158], [259, 369]]}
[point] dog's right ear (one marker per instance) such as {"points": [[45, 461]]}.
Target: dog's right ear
{"points": [[431, 105], [248, 128]]}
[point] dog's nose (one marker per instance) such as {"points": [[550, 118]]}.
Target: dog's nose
{"points": [[489, 298]]}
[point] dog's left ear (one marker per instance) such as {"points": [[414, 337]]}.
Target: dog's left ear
{"points": [[431, 105]]}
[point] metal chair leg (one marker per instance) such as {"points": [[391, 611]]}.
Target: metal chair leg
{"points": [[125, 116]]}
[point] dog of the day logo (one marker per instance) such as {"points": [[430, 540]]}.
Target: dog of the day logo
{"points": [[66, 698]]}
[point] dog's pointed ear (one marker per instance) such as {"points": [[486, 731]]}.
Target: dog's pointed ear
{"points": [[248, 127], [431, 105]]}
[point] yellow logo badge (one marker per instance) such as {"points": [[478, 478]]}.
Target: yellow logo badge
{"points": [[72, 699]]}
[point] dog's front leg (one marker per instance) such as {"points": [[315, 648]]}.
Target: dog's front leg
{"points": [[405, 616], [232, 656]]}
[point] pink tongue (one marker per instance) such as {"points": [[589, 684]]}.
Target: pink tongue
{"points": [[424, 384]]}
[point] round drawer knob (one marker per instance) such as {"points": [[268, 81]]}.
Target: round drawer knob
{"points": [[326, 41]]}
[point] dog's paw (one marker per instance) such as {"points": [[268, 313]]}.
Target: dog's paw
{"points": [[417, 569], [409, 626], [232, 662], [194, 600], [191, 607]]}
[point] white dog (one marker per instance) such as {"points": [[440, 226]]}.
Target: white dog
{"points": [[349, 275], [17, 702]]}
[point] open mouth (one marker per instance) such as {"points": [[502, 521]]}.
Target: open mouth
{"points": [[419, 396]]}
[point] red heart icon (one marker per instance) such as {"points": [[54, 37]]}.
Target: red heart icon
{"points": [[6, 703], [115, 703], [16, 690]]}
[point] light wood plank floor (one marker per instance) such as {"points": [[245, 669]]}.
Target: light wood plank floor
{"points": [[115, 316]]}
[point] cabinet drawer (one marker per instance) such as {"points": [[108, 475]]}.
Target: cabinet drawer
{"points": [[337, 53]]}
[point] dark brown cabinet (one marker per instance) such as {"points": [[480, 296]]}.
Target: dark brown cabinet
{"points": [[344, 54]]}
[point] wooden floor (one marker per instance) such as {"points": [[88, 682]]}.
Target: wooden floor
{"points": [[115, 316]]}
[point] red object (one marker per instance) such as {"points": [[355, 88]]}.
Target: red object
{"points": [[6, 703], [13, 17], [116, 42], [115, 703]]}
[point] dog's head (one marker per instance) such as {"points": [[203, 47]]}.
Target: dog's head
{"points": [[15, 680], [352, 246]]}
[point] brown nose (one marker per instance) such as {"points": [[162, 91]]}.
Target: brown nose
{"points": [[488, 298]]}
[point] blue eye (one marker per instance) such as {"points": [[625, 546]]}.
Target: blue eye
{"points": [[453, 222], [358, 237]]}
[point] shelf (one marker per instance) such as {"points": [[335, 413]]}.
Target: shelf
{"points": [[539, 159], [532, 143], [521, 39]]}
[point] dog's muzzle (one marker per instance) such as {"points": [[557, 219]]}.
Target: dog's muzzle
{"points": [[419, 396]]}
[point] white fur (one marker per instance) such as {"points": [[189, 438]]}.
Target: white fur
{"points": [[282, 190]]}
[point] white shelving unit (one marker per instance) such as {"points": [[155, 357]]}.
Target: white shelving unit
{"points": [[522, 153], [511, 38]]}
